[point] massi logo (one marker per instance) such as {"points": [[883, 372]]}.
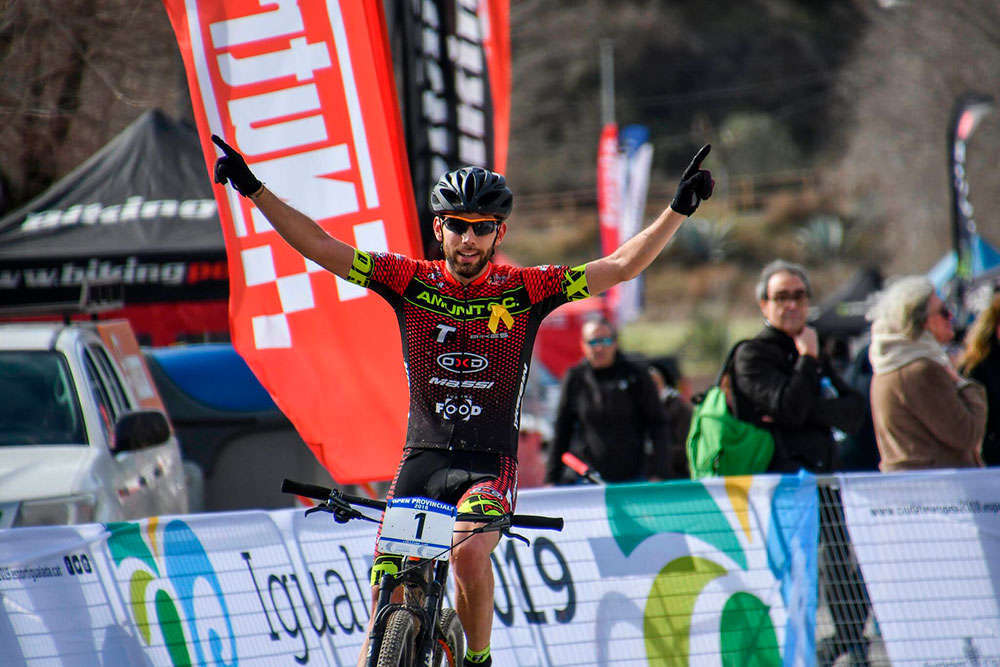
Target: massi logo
{"points": [[714, 584], [173, 591]]}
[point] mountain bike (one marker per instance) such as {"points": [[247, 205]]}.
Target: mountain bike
{"points": [[420, 630]]}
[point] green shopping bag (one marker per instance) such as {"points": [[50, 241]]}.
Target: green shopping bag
{"points": [[719, 444]]}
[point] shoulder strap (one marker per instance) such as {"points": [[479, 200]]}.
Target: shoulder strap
{"points": [[727, 364]]}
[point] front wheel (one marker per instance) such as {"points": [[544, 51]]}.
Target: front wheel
{"points": [[398, 640], [450, 640]]}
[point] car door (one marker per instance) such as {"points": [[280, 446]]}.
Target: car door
{"points": [[131, 471], [123, 357]]}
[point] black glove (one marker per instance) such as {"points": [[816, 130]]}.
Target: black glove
{"points": [[233, 168], [696, 184]]}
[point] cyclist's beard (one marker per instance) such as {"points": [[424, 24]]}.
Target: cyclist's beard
{"points": [[468, 270]]}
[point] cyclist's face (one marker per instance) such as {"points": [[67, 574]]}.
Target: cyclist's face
{"points": [[465, 252]]}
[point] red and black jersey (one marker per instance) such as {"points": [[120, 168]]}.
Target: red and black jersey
{"points": [[467, 348]]}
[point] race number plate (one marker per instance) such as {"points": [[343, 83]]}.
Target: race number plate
{"points": [[417, 527]]}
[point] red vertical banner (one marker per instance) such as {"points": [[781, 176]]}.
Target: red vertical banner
{"points": [[609, 204], [609, 199], [496, 44], [304, 91]]}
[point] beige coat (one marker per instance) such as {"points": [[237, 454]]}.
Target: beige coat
{"points": [[924, 419]]}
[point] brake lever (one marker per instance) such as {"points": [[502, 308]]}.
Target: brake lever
{"points": [[514, 536], [341, 511], [323, 507]]}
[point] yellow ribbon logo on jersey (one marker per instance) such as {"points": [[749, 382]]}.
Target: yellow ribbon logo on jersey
{"points": [[499, 314]]}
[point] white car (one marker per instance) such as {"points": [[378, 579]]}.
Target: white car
{"points": [[83, 434]]}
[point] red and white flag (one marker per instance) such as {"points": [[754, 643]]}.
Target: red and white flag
{"points": [[609, 197], [624, 159], [304, 90], [495, 15]]}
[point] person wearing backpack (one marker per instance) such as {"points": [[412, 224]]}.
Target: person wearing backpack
{"points": [[781, 381]]}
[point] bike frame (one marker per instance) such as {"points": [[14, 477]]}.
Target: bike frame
{"points": [[427, 613], [424, 580]]}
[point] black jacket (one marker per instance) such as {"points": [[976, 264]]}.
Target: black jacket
{"points": [[604, 417], [771, 380]]}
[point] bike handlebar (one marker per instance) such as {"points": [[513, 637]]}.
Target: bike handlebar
{"points": [[532, 521], [313, 491], [323, 494]]}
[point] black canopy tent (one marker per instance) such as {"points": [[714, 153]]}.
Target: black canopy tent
{"points": [[139, 219]]}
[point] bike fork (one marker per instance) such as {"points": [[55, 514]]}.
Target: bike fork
{"points": [[432, 612], [427, 640], [387, 586]]}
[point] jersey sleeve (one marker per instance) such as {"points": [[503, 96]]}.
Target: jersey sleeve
{"points": [[381, 271], [552, 286]]}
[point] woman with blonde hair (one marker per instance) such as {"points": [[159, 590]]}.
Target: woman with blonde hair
{"points": [[926, 415], [981, 361]]}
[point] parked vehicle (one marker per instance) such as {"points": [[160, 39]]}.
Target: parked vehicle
{"points": [[84, 436]]}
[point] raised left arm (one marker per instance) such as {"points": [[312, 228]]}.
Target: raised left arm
{"points": [[633, 256]]}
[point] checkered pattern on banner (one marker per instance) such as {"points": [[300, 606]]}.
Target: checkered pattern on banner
{"points": [[295, 290]]}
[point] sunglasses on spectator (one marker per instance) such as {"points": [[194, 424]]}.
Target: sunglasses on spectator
{"points": [[479, 227], [788, 297], [944, 312], [601, 342]]}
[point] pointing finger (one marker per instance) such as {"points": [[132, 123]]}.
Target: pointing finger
{"points": [[226, 148], [696, 162]]}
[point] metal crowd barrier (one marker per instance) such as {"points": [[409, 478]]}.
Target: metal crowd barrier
{"points": [[846, 630]]}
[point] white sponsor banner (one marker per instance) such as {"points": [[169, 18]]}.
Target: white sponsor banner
{"points": [[678, 573], [929, 547]]}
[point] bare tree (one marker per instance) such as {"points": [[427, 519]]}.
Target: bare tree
{"points": [[915, 60], [73, 74]]}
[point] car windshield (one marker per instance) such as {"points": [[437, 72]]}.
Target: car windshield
{"points": [[37, 403]]}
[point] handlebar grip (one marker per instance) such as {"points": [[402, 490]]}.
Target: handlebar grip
{"points": [[531, 521], [365, 502], [581, 468], [308, 490], [575, 464]]}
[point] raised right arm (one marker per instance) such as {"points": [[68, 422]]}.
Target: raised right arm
{"points": [[302, 233], [299, 230]]}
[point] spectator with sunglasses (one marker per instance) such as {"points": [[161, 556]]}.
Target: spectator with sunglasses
{"points": [[782, 381], [608, 409], [926, 415], [467, 328]]}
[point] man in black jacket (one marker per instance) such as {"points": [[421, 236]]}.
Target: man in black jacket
{"points": [[783, 383], [607, 410]]}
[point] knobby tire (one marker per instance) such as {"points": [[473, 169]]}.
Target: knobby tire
{"points": [[398, 640], [449, 631]]}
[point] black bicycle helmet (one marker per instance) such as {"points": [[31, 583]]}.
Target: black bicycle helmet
{"points": [[472, 190]]}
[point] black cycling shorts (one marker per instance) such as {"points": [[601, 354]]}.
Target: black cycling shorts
{"points": [[477, 482]]}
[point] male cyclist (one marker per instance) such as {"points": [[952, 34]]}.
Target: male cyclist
{"points": [[468, 327]]}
